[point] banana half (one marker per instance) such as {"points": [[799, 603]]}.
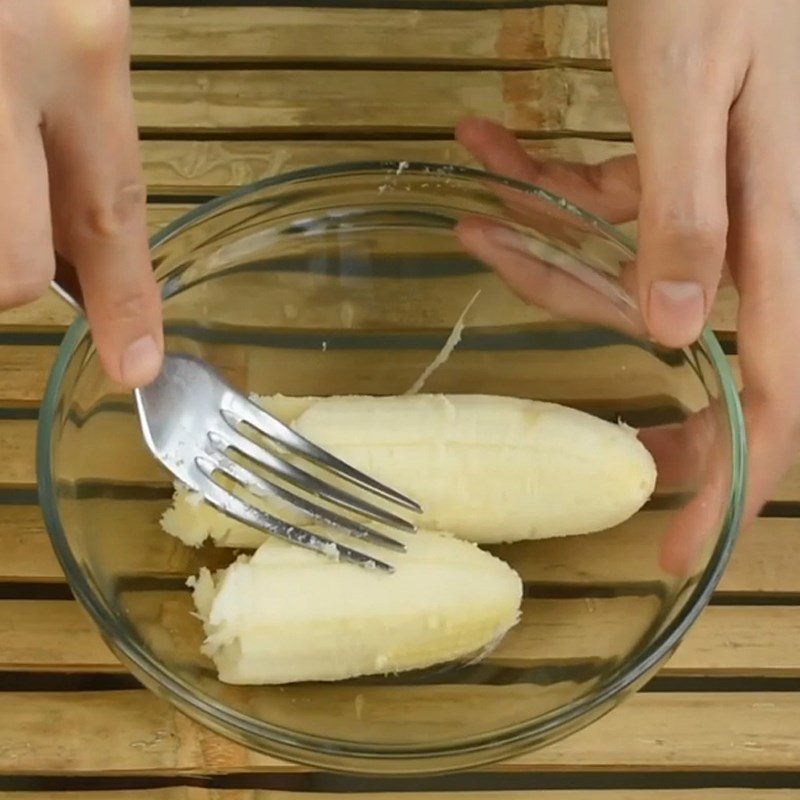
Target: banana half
{"points": [[287, 615], [486, 469]]}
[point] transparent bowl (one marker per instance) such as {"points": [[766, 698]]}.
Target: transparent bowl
{"points": [[349, 279]]}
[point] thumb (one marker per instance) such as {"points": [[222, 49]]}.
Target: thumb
{"points": [[682, 234], [683, 218]]}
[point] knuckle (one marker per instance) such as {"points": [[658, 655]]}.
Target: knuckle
{"points": [[96, 29], [689, 62], [122, 213], [126, 305], [792, 209], [698, 233]]}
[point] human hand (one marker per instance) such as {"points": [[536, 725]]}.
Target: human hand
{"points": [[713, 99], [714, 112], [70, 163]]}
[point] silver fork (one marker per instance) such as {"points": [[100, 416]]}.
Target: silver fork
{"points": [[192, 421]]}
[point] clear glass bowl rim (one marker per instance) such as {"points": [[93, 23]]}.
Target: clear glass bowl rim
{"points": [[248, 728]]}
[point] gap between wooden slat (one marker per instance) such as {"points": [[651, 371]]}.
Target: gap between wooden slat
{"points": [[547, 101], [737, 641], [196, 793], [129, 732], [403, 37]]}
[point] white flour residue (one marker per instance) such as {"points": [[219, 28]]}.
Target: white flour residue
{"points": [[452, 342]]}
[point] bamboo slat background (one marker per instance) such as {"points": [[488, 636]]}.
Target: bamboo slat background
{"points": [[228, 94]]}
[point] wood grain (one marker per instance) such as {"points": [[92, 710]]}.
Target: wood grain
{"points": [[555, 100], [127, 732], [737, 641], [397, 37]]}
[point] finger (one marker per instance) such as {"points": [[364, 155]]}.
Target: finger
{"points": [[680, 146], [553, 281], [769, 332], [98, 202], [772, 448], [682, 451], [609, 190], [765, 244], [693, 457], [697, 525], [26, 249]]}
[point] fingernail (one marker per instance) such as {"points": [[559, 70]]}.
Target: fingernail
{"points": [[676, 311], [140, 362]]}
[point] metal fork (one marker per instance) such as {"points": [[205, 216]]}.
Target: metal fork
{"points": [[192, 421]]}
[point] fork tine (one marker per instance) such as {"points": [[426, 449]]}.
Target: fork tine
{"points": [[304, 480], [261, 487], [237, 509], [247, 411]]}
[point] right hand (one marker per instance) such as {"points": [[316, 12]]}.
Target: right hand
{"points": [[692, 454], [69, 162]]}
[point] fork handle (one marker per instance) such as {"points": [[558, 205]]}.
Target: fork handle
{"points": [[67, 286]]}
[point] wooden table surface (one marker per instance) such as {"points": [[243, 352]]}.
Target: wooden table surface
{"points": [[226, 95]]}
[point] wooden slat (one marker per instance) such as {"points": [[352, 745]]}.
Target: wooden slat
{"points": [[195, 793], [47, 314], [740, 641], [557, 100], [18, 446], [128, 732], [37, 633], [210, 167], [766, 560], [17, 435], [27, 554], [588, 379], [493, 38], [23, 373]]}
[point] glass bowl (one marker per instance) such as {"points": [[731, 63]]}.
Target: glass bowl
{"points": [[349, 279]]}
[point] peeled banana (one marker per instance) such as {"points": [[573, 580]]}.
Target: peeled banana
{"points": [[287, 615], [486, 469]]}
